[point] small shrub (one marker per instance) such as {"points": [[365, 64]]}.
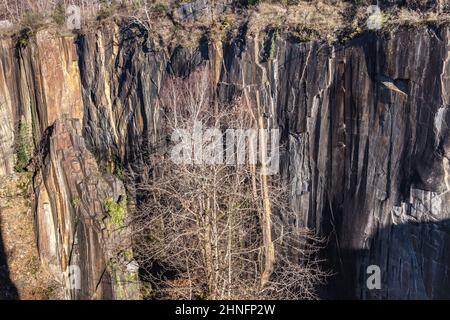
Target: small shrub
{"points": [[59, 15], [160, 9], [273, 45], [116, 211], [32, 19], [118, 170], [24, 184], [128, 254], [131, 277], [106, 12], [22, 148], [76, 203], [253, 2], [23, 38]]}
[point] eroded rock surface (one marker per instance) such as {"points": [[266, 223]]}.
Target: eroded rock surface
{"points": [[79, 236], [7, 159], [365, 137], [365, 132]]}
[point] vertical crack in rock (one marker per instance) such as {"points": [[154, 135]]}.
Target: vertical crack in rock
{"points": [[78, 230], [7, 159]]}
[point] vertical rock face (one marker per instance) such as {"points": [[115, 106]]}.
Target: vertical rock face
{"points": [[121, 78], [374, 147], [39, 83], [40, 86], [365, 130], [79, 233], [365, 137], [6, 109], [59, 78]]}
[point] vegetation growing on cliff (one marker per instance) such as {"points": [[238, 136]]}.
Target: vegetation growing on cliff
{"points": [[22, 147], [186, 22], [116, 211], [216, 231]]}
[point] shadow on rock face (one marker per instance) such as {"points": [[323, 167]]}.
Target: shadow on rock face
{"points": [[8, 290], [413, 259]]}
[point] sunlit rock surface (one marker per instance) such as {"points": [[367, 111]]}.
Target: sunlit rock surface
{"points": [[365, 138], [77, 236]]}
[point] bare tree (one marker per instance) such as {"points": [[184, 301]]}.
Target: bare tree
{"points": [[201, 229]]}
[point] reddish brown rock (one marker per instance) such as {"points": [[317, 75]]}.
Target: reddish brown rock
{"points": [[74, 225]]}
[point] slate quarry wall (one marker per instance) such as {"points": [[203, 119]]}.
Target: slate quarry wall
{"points": [[365, 136]]}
